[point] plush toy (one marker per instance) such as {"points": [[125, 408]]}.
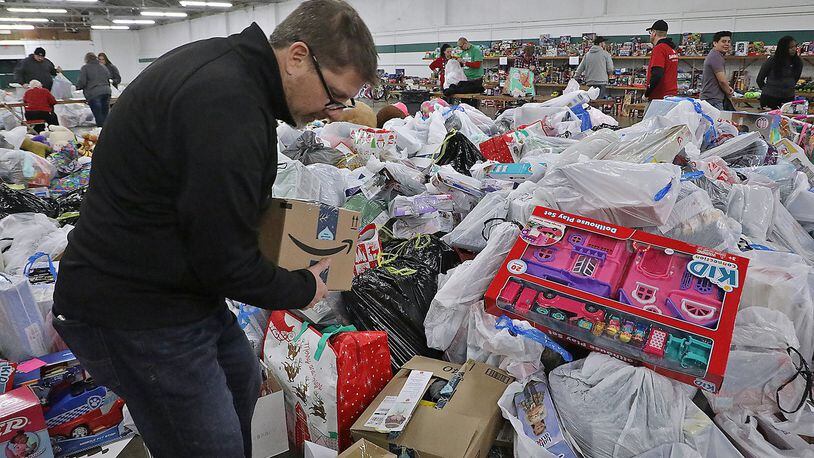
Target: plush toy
{"points": [[387, 113], [88, 144], [361, 114], [59, 136], [40, 149]]}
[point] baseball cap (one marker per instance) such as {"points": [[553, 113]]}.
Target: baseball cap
{"points": [[599, 40], [659, 25], [40, 52]]}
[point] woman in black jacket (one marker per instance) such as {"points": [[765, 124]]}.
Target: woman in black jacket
{"points": [[779, 74], [115, 76]]}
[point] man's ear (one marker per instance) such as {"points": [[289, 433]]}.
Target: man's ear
{"points": [[297, 56]]}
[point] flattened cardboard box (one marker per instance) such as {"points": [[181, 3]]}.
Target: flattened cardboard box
{"points": [[296, 234], [470, 420]]}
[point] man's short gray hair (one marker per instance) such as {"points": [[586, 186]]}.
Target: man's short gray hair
{"points": [[334, 32]]}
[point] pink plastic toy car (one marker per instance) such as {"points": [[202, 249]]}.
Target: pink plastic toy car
{"points": [[658, 281]]}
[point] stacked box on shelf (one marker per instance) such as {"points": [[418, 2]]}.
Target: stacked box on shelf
{"points": [[643, 298]]}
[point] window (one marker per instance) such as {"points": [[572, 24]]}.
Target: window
{"points": [[605, 244], [686, 280], [585, 266], [645, 294], [703, 286], [575, 239], [545, 254]]}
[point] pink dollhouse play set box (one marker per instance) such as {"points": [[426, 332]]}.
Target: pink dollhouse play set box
{"points": [[642, 298]]}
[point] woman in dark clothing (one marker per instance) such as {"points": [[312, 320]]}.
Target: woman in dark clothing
{"points": [[779, 74], [440, 63], [115, 76]]}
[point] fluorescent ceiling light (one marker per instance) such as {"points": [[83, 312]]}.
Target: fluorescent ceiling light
{"points": [[134, 21], [16, 27], [5, 32], [23, 19], [110, 27], [164, 13], [38, 10], [205, 4], [83, 1]]}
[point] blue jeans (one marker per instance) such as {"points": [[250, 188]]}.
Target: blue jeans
{"points": [[191, 389], [100, 106]]}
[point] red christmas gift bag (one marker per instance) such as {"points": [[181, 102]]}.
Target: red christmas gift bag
{"points": [[497, 149], [329, 378]]}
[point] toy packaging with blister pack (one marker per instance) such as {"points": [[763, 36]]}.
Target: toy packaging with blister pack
{"points": [[643, 298]]}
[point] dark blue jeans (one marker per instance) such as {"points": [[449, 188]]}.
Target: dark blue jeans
{"points": [[100, 106], [191, 389]]}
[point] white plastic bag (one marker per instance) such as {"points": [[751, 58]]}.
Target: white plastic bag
{"points": [[787, 232], [62, 87], [572, 86], [295, 181], [626, 194], [800, 202], [631, 410], [752, 206], [23, 234], [661, 145], [590, 146], [74, 115], [695, 220], [571, 99], [782, 282], [331, 183], [468, 235], [747, 150], [15, 137], [479, 119], [447, 314], [453, 73], [747, 433]]}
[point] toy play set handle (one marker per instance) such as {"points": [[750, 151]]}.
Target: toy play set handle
{"points": [[504, 322]]}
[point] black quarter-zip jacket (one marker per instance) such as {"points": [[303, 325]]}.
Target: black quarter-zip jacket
{"points": [[182, 172]]}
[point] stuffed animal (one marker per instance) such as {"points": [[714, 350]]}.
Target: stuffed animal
{"points": [[361, 114], [59, 136], [387, 113]]}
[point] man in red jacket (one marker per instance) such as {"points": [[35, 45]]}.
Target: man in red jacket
{"points": [[662, 73]]}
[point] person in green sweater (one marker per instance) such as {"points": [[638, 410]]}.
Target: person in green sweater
{"points": [[472, 62]]}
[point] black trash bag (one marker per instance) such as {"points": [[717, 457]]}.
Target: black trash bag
{"points": [[71, 201], [310, 150], [426, 249], [395, 299], [459, 152], [12, 201]]}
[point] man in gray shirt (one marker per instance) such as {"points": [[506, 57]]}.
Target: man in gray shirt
{"points": [[596, 66], [715, 88]]}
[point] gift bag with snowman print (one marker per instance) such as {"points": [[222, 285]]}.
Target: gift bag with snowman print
{"points": [[329, 378]]}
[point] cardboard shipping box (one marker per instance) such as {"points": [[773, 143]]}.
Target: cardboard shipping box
{"points": [[296, 234], [470, 420], [366, 449]]}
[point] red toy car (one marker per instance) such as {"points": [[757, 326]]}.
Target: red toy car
{"points": [[83, 410]]}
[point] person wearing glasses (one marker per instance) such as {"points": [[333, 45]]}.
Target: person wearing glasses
{"points": [[182, 172]]}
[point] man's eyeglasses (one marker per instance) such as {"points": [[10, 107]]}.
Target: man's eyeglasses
{"points": [[332, 104]]}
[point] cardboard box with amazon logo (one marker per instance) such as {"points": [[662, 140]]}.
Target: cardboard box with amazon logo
{"points": [[296, 234]]}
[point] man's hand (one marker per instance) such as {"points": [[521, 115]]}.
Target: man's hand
{"points": [[59, 69], [322, 289]]}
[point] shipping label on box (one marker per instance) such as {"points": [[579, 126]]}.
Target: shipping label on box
{"points": [[296, 234], [643, 298], [22, 426]]}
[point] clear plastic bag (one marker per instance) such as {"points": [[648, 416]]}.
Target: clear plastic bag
{"points": [[453, 73], [26, 168], [448, 311], [656, 146], [626, 194], [590, 146], [309, 149], [747, 433], [468, 235], [74, 115], [479, 119], [746, 150], [287, 135], [788, 233], [62, 87], [695, 220], [23, 325]]}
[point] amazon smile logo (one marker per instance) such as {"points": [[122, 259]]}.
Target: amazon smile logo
{"points": [[322, 252]]}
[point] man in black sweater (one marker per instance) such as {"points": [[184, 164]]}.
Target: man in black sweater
{"points": [[181, 174], [36, 67]]}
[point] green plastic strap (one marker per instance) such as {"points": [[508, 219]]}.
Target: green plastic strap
{"points": [[302, 331], [327, 334]]}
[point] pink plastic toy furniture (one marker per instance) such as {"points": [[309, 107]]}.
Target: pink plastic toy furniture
{"points": [[581, 260], [659, 282]]}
